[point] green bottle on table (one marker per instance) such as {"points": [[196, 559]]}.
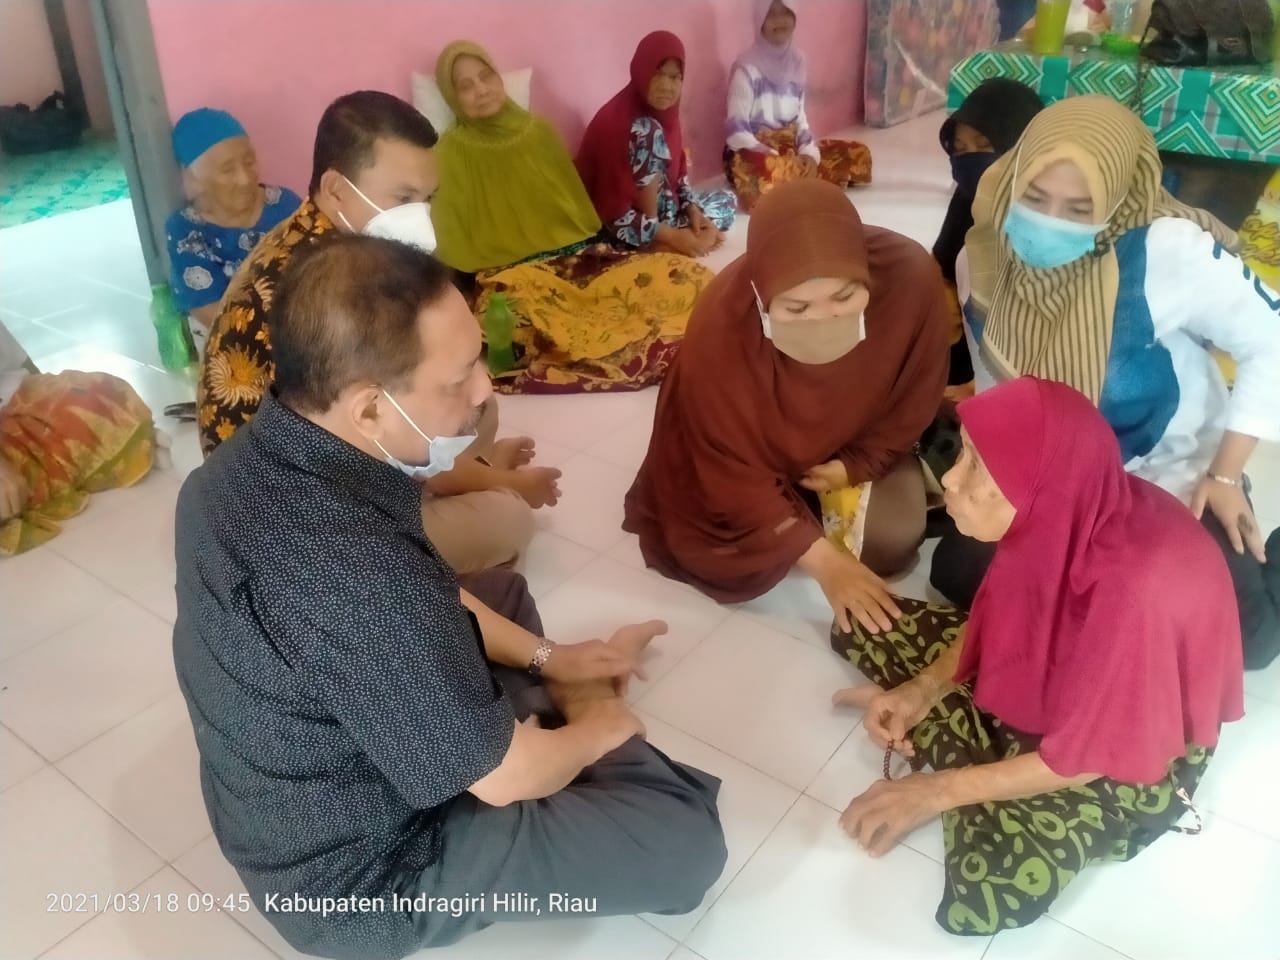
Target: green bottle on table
{"points": [[499, 324]]}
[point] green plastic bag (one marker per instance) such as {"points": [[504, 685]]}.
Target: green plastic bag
{"points": [[172, 334]]}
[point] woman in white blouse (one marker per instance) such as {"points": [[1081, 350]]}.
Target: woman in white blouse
{"points": [[1082, 269], [767, 135]]}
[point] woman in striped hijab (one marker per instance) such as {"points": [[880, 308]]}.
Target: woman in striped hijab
{"points": [[1084, 270]]}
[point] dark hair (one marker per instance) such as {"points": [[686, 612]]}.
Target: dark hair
{"points": [[354, 122], [346, 312]]}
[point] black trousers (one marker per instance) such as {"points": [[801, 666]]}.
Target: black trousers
{"points": [[636, 832], [959, 564]]}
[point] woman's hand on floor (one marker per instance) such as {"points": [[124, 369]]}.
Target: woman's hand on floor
{"points": [[851, 588], [889, 810], [1231, 507]]}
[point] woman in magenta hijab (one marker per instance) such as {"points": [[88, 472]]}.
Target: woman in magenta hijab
{"points": [[767, 135], [1071, 718], [633, 162]]}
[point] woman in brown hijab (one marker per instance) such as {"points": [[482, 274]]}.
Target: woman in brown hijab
{"points": [[811, 363]]}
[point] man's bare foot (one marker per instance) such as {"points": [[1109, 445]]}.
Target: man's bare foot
{"points": [[859, 697], [634, 639], [510, 453]]}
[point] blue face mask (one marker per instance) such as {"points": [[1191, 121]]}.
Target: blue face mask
{"points": [[442, 452], [967, 169], [1043, 242]]}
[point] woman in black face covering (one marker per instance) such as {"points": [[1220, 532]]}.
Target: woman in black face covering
{"points": [[987, 125]]}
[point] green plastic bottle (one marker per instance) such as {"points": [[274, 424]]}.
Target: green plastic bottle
{"points": [[172, 334], [499, 323]]}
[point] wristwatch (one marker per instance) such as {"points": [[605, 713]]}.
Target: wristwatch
{"points": [[541, 656]]}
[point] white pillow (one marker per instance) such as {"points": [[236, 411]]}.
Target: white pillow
{"points": [[431, 103]]}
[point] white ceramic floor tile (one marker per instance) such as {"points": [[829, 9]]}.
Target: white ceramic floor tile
{"points": [[61, 694], [617, 938], [550, 561], [569, 422], [159, 598], [590, 508], [41, 593], [192, 930], [17, 760], [1047, 939], [111, 320], [797, 607], [141, 517], [36, 338], [1211, 895], [1243, 778], [606, 595], [684, 953], [625, 446], [857, 764], [205, 867], [146, 773], [628, 552], [45, 299], [751, 805], [810, 892], [55, 841], [761, 697]]}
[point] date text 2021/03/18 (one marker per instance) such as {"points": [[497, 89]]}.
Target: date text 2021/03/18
{"points": [[96, 903], [556, 903]]}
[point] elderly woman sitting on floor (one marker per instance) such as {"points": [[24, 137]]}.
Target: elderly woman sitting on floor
{"points": [[512, 210], [1071, 718]]}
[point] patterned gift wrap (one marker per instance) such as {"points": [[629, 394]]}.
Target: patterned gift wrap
{"points": [[1229, 113]]}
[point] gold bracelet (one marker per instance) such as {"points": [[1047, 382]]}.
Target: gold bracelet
{"points": [[1221, 479]]}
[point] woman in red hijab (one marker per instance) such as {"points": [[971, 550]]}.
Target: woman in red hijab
{"points": [[1070, 720], [811, 364], [634, 165]]}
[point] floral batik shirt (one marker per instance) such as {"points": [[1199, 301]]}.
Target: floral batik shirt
{"points": [[237, 367]]}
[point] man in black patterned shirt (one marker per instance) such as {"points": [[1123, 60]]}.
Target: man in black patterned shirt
{"points": [[357, 710]]}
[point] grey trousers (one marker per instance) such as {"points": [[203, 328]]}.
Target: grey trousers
{"points": [[636, 832]]}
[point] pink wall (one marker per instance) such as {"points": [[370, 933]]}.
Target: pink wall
{"points": [[275, 64], [84, 40], [28, 67]]}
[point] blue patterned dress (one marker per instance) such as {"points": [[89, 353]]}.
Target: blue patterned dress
{"points": [[650, 156], [204, 256]]}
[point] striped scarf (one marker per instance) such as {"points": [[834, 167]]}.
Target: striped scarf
{"points": [[1057, 324]]}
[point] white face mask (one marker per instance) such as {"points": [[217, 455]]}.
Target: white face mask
{"points": [[409, 223], [441, 451]]}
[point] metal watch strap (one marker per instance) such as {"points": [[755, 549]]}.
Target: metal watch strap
{"points": [[1221, 479], [541, 656]]}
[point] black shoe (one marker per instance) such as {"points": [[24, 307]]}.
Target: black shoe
{"points": [[185, 412]]}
